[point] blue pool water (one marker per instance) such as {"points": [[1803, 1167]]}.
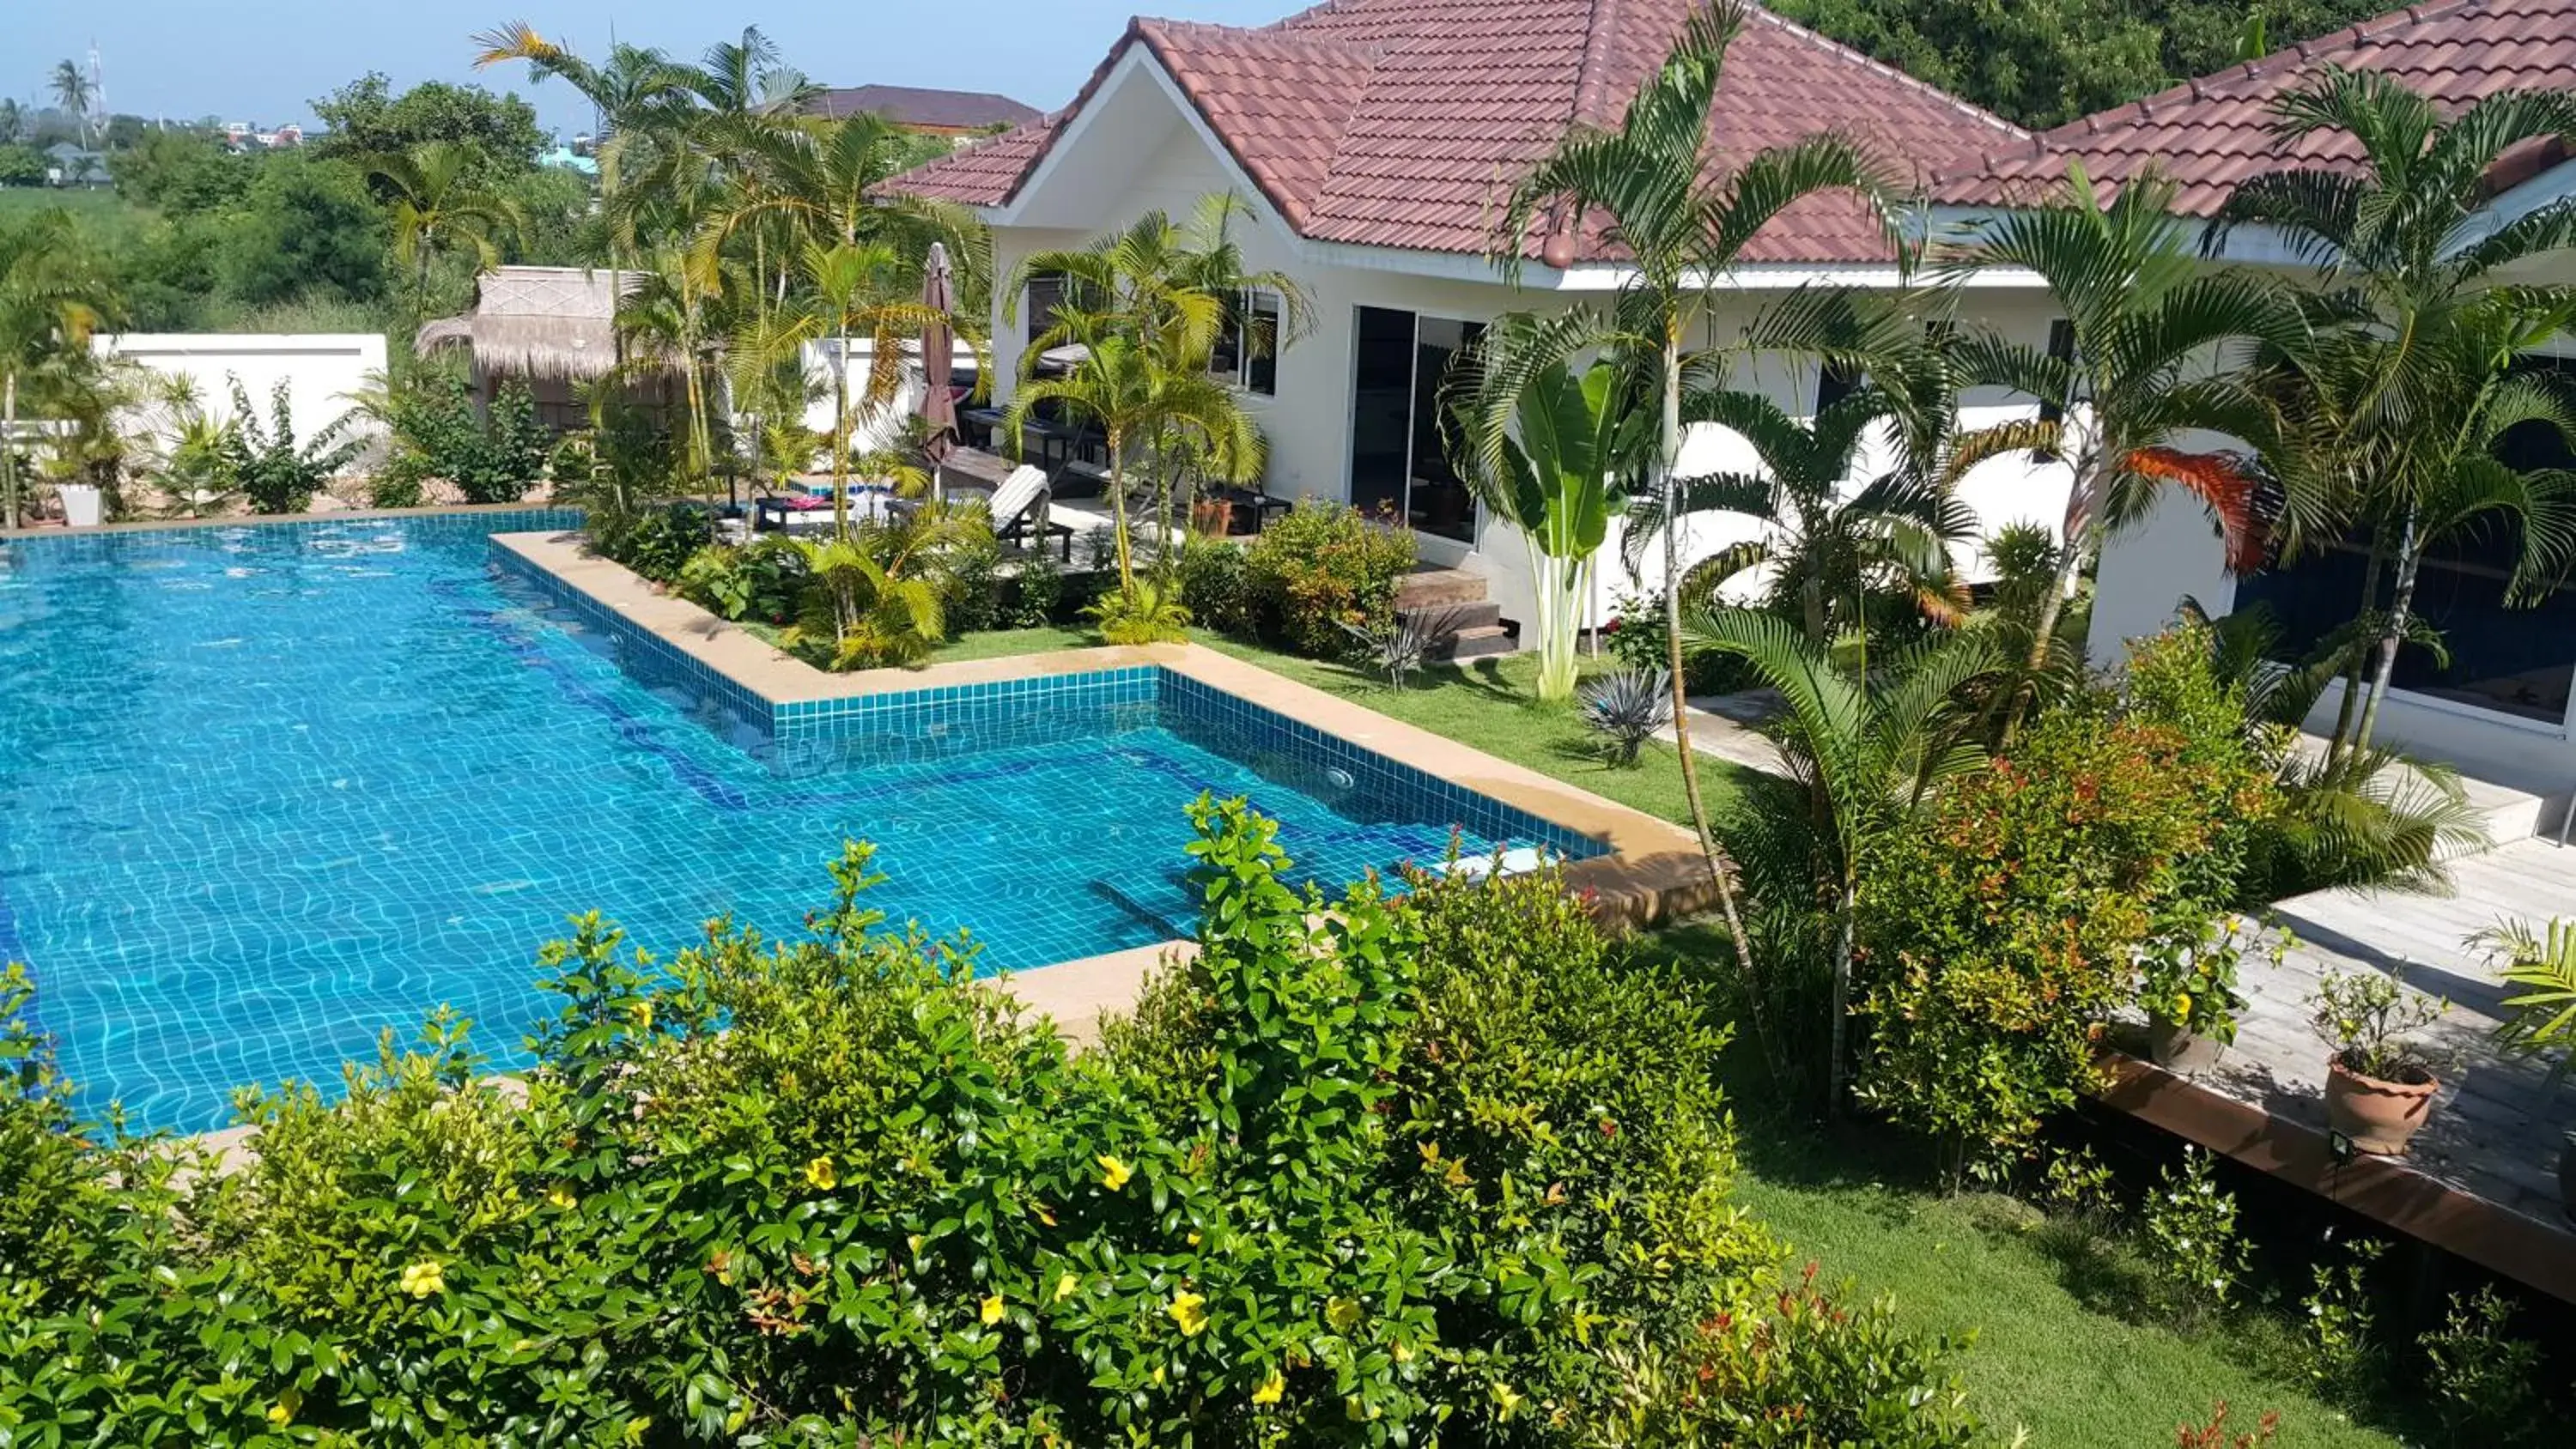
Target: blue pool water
{"points": [[266, 792]]}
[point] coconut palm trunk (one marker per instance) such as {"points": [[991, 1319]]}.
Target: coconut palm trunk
{"points": [[1668, 466], [2410, 557]]}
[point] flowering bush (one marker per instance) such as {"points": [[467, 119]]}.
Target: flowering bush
{"points": [[1363, 1172], [2189, 1224], [2002, 926], [1320, 566]]}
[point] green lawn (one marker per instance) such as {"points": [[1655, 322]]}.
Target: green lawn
{"points": [[1488, 704], [2072, 1369]]}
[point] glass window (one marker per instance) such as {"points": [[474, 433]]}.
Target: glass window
{"points": [[2516, 661], [1381, 408], [1261, 344], [1045, 299]]}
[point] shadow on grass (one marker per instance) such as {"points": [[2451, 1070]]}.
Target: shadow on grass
{"points": [[1483, 677]]}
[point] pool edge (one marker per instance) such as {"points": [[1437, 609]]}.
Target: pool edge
{"points": [[1651, 870]]}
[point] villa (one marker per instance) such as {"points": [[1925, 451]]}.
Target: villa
{"points": [[1376, 140]]}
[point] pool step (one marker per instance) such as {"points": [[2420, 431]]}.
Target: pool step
{"points": [[1471, 625]]}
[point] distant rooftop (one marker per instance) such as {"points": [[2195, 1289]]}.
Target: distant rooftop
{"points": [[924, 107]]}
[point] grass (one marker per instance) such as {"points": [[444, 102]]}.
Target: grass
{"points": [[1488, 704], [2053, 1353]]}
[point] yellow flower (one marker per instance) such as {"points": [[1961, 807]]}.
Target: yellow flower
{"points": [[561, 1196], [2182, 1003], [1271, 1388], [1194, 1239], [1506, 1400], [1114, 1173], [993, 1309], [424, 1278], [282, 1413], [1065, 1286], [1403, 1354], [1189, 1310], [1342, 1313], [819, 1174]]}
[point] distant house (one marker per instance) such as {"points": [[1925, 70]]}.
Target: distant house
{"points": [[565, 158], [931, 112], [552, 328], [70, 165]]}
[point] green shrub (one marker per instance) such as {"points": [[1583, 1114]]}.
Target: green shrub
{"points": [[439, 433], [1320, 566], [655, 542], [2484, 1379], [275, 471], [1999, 928], [1037, 593], [971, 585], [760, 580], [1366, 1171], [1215, 584], [2188, 1233], [1799, 1369]]}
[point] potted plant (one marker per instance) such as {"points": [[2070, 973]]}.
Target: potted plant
{"points": [[2187, 985], [2379, 1085], [2540, 1017]]}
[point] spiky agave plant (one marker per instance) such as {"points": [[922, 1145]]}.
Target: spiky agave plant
{"points": [[1628, 707]]}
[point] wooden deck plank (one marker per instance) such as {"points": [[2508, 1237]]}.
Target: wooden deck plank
{"points": [[2481, 1178]]}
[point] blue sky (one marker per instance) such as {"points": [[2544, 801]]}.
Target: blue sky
{"points": [[190, 58]]}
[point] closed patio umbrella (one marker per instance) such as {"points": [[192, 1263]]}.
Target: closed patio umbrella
{"points": [[938, 405]]}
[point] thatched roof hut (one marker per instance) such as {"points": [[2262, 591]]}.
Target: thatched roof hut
{"points": [[554, 324]]}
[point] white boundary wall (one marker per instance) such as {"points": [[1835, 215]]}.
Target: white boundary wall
{"points": [[323, 371]]}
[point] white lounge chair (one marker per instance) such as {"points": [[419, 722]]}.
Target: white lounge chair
{"points": [[1519, 860], [1018, 508]]}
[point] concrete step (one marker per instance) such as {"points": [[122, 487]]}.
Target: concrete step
{"points": [[1429, 587], [1477, 615], [1482, 641]]}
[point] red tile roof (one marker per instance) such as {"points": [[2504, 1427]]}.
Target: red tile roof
{"points": [[924, 106], [2209, 134], [1403, 123]]}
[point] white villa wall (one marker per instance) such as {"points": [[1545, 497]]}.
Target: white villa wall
{"points": [[323, 371]]}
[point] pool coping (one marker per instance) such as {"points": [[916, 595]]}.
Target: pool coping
{"points": [[259, 520], [1652, 870]]}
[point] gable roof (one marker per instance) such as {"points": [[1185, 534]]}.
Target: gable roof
{"points": [[2209, 134], [923, 106], [1404, 123]]}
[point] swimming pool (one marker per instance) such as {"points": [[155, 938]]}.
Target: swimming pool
{"points": [[266, 791]]}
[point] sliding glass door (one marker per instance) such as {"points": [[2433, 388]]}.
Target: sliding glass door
{"points": [[1398, 465]]}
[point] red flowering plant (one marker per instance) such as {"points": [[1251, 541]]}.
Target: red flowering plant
{"points": [[1999, 929]]}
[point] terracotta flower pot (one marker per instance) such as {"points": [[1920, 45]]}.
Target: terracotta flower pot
{"points": [[2378, 1116], [2179, 1049]]}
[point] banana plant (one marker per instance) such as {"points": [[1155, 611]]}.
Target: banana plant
{"points": [[1580, 438]]}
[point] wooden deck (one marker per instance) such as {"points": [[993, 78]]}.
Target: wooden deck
{"points": [[2481, 1179]]}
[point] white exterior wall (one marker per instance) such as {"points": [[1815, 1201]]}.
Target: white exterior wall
{"points": [[323, 371]]}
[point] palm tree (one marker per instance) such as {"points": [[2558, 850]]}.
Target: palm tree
{"points": [[1865, 748], [52, 297], [1557, 483], [638, 97], [439, 207], [1174, 288], [72, 89], [1826, 551], [2421, 381], [2146, 320], [1682, 221], [851, 290], [1144, 396], [674, 319], [877, 593]]}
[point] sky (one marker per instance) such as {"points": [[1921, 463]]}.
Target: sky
{"points": [[193, 58]]}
